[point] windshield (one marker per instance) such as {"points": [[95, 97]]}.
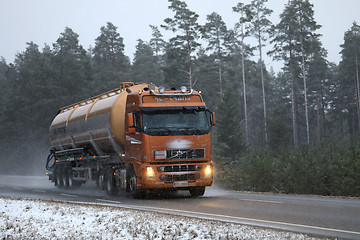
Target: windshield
{"points": [[175, 122]]}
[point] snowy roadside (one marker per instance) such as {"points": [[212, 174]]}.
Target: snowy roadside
{"points": [[37, 219]]}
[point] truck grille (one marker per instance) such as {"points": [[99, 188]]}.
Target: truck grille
{"points": [[180, 168], [183, 177], [180, 154]]}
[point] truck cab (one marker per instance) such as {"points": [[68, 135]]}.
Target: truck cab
{"points": [[168, 142]]}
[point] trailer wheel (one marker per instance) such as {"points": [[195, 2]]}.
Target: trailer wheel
{"points": [[69, 178], [100, 180], [64, 178], [197, 191], [59, 182], [135, 192], [110, 185]]}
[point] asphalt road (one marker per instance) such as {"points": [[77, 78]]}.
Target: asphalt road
{"points": [[320, 216]]}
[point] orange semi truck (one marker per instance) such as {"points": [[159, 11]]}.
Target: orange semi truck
{"points": [[138, 137]]}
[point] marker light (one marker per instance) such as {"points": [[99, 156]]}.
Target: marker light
{"points": [[161, 89], [150, 173], [183, 89], [208, 171]]}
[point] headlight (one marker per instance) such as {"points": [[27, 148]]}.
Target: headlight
{"points": [[208, 171], [150, 173]]}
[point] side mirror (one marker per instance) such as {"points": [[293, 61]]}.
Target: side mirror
{"points": [[130, 120], [213, 119], [130, 117]]}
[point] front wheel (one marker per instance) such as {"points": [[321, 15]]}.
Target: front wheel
{"points": [[135, 192], [197, 191]]}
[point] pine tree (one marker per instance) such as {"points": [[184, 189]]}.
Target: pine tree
{"points": [[175, 66], [157, 43], [292, 40], [349, 78], [110, 63], [216, 34], [185, 24], [228, 136], [242, 10], [69, 58], [260, 26], [145, 67]]}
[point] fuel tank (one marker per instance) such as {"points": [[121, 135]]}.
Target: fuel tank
{"points": [[97, 122]]}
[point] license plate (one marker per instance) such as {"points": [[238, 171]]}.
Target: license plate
{"points": [[180, 184]]}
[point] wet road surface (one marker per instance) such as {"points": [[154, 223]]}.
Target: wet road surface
{"points": [[320, 216]]}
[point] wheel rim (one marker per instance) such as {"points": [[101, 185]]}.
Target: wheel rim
{"points": [[70, 180], [109, 184], [101, 181], [58, 180], [133, 183], [64, 182]]}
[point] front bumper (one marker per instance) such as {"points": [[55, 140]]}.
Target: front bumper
{"points": [[178, 176]]}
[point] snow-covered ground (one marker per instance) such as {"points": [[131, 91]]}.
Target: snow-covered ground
{"points": [[36, 219]]}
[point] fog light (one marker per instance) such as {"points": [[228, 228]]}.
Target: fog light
{"points": [[150, 173], [208, 171]]}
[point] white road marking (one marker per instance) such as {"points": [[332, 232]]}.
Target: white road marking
{"points": [[108, 201], [40, 191], [18, 188], [258, 200], [68, 195]]}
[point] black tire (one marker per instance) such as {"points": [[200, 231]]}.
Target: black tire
{"points": [[100, 182], [197, 191], [132, 185], [110, 185], [64, 178], [58, 178], [70, 183]]}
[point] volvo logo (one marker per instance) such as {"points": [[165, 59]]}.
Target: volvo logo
{"points": [[179, 152]]}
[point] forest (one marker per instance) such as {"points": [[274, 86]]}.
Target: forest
{"points": [[292, 131]]}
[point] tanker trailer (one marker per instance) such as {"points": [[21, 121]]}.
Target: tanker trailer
{"points": [[137, 137]]}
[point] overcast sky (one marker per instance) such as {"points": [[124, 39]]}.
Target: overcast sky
{"points": [[42, 21]]}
